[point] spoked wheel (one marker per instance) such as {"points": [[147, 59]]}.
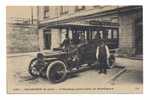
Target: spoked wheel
{"points": [[32, 69], [56, 72]]}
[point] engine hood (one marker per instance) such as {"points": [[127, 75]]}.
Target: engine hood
{"points": [[52, 53]]}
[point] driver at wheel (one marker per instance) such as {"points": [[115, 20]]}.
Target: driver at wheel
{"points": [[66, 43]]}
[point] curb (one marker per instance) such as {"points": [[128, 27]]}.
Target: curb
{"points": [[132, 58], [22, 54], [114, 77]]}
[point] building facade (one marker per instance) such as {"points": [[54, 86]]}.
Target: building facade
{"points": [[120, 24]]}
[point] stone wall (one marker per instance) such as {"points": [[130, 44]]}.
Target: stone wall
{"points": [[21, 39]]}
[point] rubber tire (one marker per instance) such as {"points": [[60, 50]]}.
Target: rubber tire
{"points": [[112, 57], [49, 69], [29, 68]]}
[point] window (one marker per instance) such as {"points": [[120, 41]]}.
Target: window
{"points": [[109, 34], [105, 34], [97, 34], [63, 33], [94, 34], [78, 8], [63, 10], [115, 34], [46, 11], [78, 36], [101, 34], [47, 39], [82, 35], [70, 34]]}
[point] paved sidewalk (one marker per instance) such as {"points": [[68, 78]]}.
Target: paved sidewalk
{"points": [[133, 74]]}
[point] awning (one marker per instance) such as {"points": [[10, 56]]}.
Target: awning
{"points": [[84, 25]]}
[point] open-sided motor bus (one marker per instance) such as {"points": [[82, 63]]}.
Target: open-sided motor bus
{"points": [[57, 64]]}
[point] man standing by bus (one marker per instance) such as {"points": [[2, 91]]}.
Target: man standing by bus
{"points": [[102, 55]]}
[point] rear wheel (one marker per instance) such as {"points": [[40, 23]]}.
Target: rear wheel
{"points": [[112, 61], [56, 71]]}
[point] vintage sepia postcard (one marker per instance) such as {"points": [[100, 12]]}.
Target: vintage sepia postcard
{"points": [[74, 49]]}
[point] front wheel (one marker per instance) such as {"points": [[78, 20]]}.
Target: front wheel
{"points": [[56, 71], [32, 68]]}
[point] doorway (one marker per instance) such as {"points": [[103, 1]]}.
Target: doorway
{"points": [[139, 37], [47, 39]]}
